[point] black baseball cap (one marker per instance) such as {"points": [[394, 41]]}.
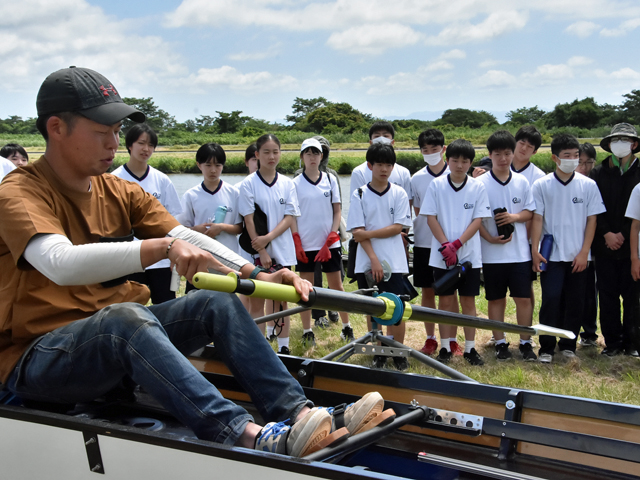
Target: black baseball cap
{"points": [[85, 92]]}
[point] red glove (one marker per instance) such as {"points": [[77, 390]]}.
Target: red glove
{"points": [[300, 255], [324, 254], [448, 251]]}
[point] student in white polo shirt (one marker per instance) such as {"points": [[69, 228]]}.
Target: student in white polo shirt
{"points": [[382, 132], [377, 214], [566, 208], [276, 196], [6, 166], [506, 255], [633, 212], [455, 205], [211, 208], [141, 142], [315, 232], [432, 147]]}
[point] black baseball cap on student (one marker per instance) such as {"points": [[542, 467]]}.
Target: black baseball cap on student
{"points": [[85, 92]]}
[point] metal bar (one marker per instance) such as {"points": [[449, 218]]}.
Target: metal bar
{"points": [[550, 437], [361, 440], [277, 315]]}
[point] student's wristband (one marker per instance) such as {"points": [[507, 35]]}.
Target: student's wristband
{"points": [[166, 254], [256, 271]]}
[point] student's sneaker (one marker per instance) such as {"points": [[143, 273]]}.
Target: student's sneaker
{"points": [[272, 338], [630, 352], [321, 322], [588, 342], [401, 363], [611, 351], [360, 416], [527, 352], [502, 351], [455, 349], [333, 316], [308, 339], [379, 361], [297, 440], [569, 353], [284, 351], [545, 358], [444, 356], [491, 342], [473, 357], [430, 347], [347, 334]]}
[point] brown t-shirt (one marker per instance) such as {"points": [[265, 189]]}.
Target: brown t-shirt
{"points": [[34, 201]]}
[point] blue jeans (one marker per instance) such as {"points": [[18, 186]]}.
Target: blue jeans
{"points": [[87, 358]]}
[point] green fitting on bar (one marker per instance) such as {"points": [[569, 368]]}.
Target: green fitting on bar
{"points": [[390, 308], [220, 283], [407, 311]]}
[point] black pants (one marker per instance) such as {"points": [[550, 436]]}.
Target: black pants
{"points": [[158, 280], [615, 281], [317, 282], [590, 318], [562, 304]]}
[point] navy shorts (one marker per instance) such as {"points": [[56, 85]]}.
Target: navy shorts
{"points": [[331, 265], [422, 271], [468, 287], [500, 276]]}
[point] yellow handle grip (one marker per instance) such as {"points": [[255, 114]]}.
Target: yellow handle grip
{"points": [[229, 284]]}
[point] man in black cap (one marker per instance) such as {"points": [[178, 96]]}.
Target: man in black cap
{"points": [[72, 327], [616, 177]]}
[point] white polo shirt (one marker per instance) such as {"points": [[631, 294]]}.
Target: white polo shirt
{"points": [[6, 166], [159, 185], [419, 184], [455, 209], [514, 195], [565, 208], [316, 201], [375, 211], [276, 199], [530, 171], [199, 205], [361, 175]]}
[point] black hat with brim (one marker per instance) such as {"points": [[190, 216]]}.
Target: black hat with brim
{"points": [[620, 130], [86, 92]]}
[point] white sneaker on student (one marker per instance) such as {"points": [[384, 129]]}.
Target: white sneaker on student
{"points": [[569, 354], [545, 358], [296, 440]]}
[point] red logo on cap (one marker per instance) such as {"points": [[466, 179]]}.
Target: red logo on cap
{"points": [[105, 91]]}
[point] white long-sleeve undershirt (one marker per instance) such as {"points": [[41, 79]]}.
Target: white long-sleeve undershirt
{"points": [[63, 263]]}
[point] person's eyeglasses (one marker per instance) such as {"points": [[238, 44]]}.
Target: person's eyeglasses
{"points": [[588, 162]]}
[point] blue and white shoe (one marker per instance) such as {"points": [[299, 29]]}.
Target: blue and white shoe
{"points": [[297, 440]]}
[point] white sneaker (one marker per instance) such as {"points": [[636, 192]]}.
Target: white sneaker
{"points": [[569, 354], [545, 358], [491, 342]]}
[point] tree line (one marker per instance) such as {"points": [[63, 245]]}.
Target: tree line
{"points": [[319, 115]]}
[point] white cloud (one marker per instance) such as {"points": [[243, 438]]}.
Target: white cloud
{"points": [[373, 39], [493, 26], [549, 74], [229, 77], [39, 37], [624, 28], [454, 54], [270, 52], [579, 61], [496, 78], [582, 29], [435, 66]]}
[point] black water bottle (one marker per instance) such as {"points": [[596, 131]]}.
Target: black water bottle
{"points": [[451, 278], [506, 230]]}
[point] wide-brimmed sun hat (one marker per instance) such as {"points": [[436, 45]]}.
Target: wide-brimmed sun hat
{"points": [[621, 130]]}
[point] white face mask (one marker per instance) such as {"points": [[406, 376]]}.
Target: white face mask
{"points": [[568, 165], [433, 158], [620, 149], [383, 140]]}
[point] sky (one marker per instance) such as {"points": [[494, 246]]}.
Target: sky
{"points": [[400, 59]]}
